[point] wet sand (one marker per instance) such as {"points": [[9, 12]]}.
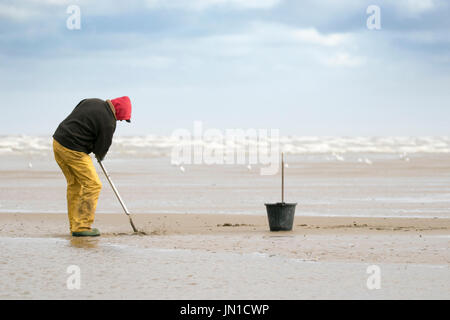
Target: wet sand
{"points": [[389, 187], [208, 235], [198, 256], [402, 240]]}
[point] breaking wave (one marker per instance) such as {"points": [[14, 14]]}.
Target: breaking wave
{"points": [[153, 145]]}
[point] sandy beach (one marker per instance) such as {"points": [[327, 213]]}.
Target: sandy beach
{"points": [[393, 240], [207, 234], [198, 256]]}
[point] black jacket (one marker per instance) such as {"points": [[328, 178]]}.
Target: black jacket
{"points": [[89, 128]]}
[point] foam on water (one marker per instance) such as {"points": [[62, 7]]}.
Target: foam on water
{"points": [[153, 145]]}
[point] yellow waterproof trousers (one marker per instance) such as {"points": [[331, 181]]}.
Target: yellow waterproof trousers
{"points": [[83, 186]]}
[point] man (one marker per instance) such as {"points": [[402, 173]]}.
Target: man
{"points": [[89, 128]]}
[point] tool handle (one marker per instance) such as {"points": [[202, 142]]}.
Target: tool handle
{"points": [[282, 177], [113, 187], [117, 194]]}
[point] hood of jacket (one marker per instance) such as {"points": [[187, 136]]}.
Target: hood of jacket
{"points": [[122, 106]]}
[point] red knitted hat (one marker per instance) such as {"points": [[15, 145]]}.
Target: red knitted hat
{"points": [[123, 108]]}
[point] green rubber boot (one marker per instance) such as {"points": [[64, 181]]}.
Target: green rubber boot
{"points": [[88, 233]]}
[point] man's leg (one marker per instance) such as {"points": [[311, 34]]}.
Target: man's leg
{"points": [[73, 187], [73, 200], [90, 190], [83, 186]]}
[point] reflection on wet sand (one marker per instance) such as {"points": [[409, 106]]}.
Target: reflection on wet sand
{"points": [[84, 242], [37, 268]]}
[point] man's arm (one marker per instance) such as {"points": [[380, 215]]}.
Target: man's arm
{"points": [[103, 142]]}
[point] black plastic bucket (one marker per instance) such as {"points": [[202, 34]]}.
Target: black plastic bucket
{"points": [[281, 215]]}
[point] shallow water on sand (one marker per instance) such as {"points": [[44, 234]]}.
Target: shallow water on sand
{"points": [[389, 187], [36, 268]]}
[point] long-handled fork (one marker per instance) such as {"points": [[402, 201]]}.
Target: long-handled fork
{"points": [[118, 196]]}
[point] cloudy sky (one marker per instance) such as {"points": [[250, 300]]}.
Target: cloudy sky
{"points": [[305, 67]]}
